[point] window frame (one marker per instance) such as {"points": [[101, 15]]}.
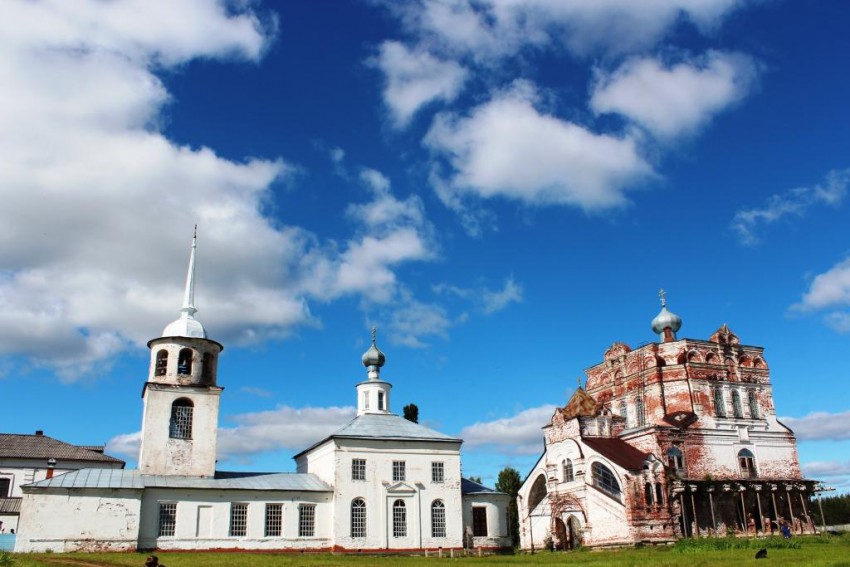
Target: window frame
{"points": [[306, 520], [438, 472], [568, 471], [358, 469], [399, 519], [273, 523], [438, 519], [719, 402], [182, 419], [737, 406], [358, 523], [167, 524], [605, 480], [399, 471], [479, 521], [238, 519], [747, 463]]}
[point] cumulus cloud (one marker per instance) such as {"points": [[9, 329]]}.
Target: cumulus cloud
{"points": [[674, 100], [101, 204], [517, 435], [414, 79], [829, 291], [820, 426], [794, 202], [488, 30], [282, 429], [826, 469], [507, 148]]}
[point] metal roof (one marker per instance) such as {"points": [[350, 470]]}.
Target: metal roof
{"points": [[135, 480], [15, 446], [618, 451], [384, 426], [10, 505], [471, 487]]}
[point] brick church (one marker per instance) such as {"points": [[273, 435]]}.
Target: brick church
{"points": [[677, 438]]}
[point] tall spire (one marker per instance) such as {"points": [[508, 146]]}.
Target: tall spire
{"points": [[187, 325], [189, 296]]}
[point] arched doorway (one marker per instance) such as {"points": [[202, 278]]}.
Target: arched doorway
{"points": [[573, 540], [561, 538]]}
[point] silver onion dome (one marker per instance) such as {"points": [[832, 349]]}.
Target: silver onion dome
{"points": [[374, 356], [665, 318]]}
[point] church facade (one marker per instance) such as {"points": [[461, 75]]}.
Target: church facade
{"points": [[379, 483], [677, 438]]}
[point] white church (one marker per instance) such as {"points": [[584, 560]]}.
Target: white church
{"points": [[379, 483]]}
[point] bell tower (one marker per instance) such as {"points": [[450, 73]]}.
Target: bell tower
{"points": [[181, 398]]}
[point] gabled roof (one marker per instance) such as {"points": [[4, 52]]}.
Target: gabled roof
{"points": [[617, 451], [135, 480], [15, 446], [384, 426]]}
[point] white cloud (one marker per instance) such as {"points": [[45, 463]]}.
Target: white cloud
{"points": [[282, 429], [820, 426], [489, 301], [411, 321], [822, 469], [415, 79], [829, 291], [488, 30], [100, 204], [254, 391], [518, 435], [795, 202], [674, 100], [507, 148]]}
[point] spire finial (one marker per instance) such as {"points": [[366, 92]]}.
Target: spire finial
{"points": [[663, 295], [374, 335], [578, 379], [189, 295]]}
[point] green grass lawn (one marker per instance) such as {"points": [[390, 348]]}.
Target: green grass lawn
{"points": [[814, 550]]}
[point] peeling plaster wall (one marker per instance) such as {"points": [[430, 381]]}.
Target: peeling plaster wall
{"points": [[90, 520], [497, 520]]}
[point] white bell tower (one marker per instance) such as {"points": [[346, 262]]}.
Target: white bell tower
{"points": [[181, 398], [373, 395]]}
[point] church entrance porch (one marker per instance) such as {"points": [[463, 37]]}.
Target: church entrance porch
{"points": [[743, 507]]}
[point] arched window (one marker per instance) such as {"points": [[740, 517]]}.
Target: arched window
{"points": [[568, 470], [624, 412], [604, 480], [659, 494], [161, 363], [648, 494], [753, 403], [719, 404], [640, 417], [675, 459], [438, 519], [184, 361], [207, 368], [747, 462], [180, 426], [737, 409], [537, 493], [358, 518], [399, 519]]}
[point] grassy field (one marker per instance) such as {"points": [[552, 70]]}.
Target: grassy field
{"points": [[814, 550]]}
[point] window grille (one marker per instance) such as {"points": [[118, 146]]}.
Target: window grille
{"points": [[437, 472], [624, 412], [640, 417], [161, 363], [238, 519], [274, 520], [479, 521], [568, 471], [358, 518], [167, 518], [398, 471], [737, 409], [604, 480], [399, 519], [753, 403], [181, 419], [438, 519], [306, 520], [358, 469], [719, 404]]}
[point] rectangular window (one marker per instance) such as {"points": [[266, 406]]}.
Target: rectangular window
{"points": [[479, 521], [167, 518], [274, 520], [719, 404], [180, 426], [238, 519], [381, 401], [306, 520], [437, 472], [398, 471], [365, 400], [358, 469], [5, 487]]}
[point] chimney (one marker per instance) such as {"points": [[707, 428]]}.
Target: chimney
{"points": [[39, 432]]}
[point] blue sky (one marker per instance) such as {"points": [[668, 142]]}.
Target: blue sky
{"points": [[500, 187]]}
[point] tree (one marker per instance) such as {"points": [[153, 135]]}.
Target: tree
{"points": [[475, 479], [411, 413], [509, 482]]}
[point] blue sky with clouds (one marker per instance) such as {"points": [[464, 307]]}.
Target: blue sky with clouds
{"points": [[501, 187]]}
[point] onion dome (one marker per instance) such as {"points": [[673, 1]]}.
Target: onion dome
{"points": [[665, 319], [187, 325], [374, 356]]}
